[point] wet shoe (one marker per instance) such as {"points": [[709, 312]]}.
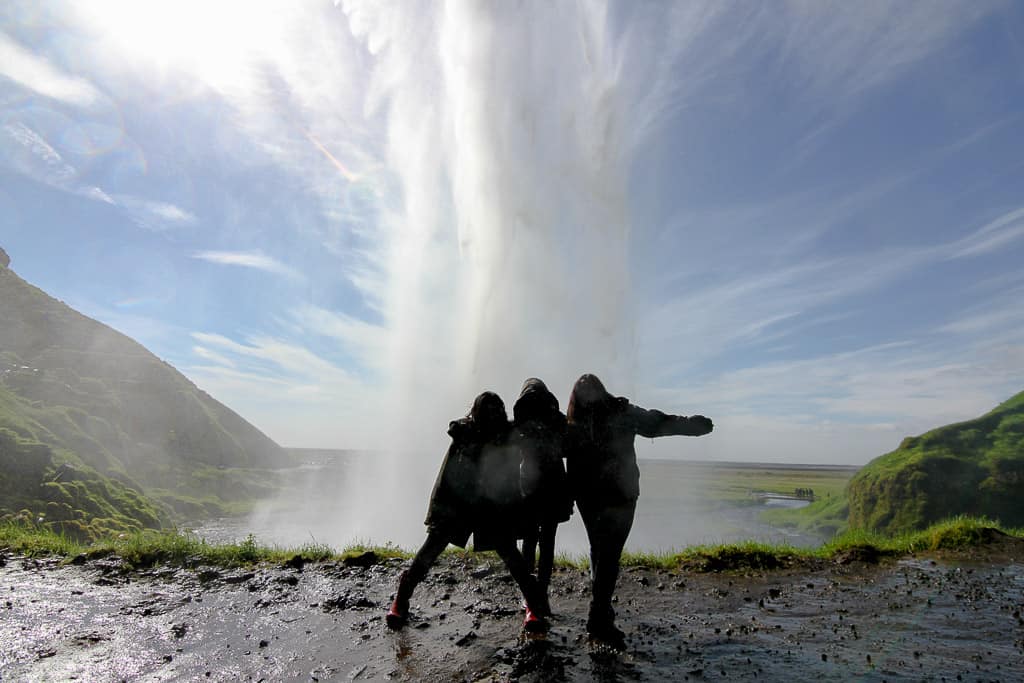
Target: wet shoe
{"points": [[534, 623], [607, 634], [543, 607], [398, 614], [396, 617]]}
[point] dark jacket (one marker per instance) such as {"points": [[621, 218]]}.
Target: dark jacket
{"points": [[601, 454], [477, 489], [538, 433]]}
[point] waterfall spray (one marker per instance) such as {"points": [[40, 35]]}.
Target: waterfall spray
{"points": [[509, 247]]}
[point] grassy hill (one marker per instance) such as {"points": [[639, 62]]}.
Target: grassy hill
{"points": [[92, 420], [973, 468]]}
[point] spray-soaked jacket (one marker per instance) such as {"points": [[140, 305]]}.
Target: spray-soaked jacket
{"points": [[477, 488], [538, 432], [601, 455]]}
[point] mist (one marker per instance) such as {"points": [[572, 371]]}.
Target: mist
{"points": [[508, 254]]}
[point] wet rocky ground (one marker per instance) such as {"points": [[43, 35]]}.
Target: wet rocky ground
{"points": [[931, 618]]}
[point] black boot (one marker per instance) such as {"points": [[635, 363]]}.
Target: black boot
{"points": [[601, 627], [540, 603]]}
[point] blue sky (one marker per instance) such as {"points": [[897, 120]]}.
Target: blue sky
{"points": [[805, 220]]}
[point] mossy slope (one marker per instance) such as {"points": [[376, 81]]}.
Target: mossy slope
{"points": [[82, 399], [969, 468]]}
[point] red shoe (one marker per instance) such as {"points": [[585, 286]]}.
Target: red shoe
{"points": [[398, 614], [534, 623], [397, 617]]}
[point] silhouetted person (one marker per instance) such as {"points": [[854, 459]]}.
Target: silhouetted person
{"points": [[476, 493], [605, 481], [538, 433]]}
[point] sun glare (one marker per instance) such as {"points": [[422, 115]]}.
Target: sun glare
{"points": [[216, 41]]}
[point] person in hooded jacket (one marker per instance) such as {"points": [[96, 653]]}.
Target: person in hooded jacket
{"points": [[605, 482], [475, 493], [538, 433]]}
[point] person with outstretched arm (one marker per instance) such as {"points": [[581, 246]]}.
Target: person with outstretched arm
{"points": [[605, 481], [476, 493]]}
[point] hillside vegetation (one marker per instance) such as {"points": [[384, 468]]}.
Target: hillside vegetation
{"points": [[971, 468], [96, 431]]}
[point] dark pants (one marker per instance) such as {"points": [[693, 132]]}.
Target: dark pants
{"points": [[544, 533], [607, 529], [435, 544]]}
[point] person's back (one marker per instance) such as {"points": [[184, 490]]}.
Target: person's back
{"points": [[605, 479], [600, 455], [538, 433], [479, 475]]}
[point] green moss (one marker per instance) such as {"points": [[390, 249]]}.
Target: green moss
{"points": [[974, 468], [101, 402], [22, 534], [739, 556], [824, 518]]}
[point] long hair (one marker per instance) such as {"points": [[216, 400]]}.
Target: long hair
{"points": [[589, 403], [488, 415]]}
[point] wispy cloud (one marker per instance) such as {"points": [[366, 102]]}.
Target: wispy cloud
{"points": [[837, 53], [294, 360], [34, 73], [154, 215], [841, 48], [883, 387], [297, 393], [213, 356], [253, 260], [30, 154], [366, 342], [998, 233]]}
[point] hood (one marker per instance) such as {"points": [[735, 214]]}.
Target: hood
{"points": [[535, 402]]}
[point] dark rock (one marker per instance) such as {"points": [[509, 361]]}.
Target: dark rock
{"points": [[290, 580], [466, 639], [208, 575], [295, 562], [367, 559], [179, 630], [859, 553], [481, 572], [347, 601], [239, 578], [79, 559], [5, 260]]}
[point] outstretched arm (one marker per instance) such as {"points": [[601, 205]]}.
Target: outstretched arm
{"points": [[652, 423]]}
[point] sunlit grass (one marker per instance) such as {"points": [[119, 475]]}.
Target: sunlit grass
{"points": [[182, 548]]}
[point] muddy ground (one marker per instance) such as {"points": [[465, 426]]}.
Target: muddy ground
{"points": [[929, 618]]}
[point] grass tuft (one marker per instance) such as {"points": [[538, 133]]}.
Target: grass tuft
{"points": [[148, 548]]}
